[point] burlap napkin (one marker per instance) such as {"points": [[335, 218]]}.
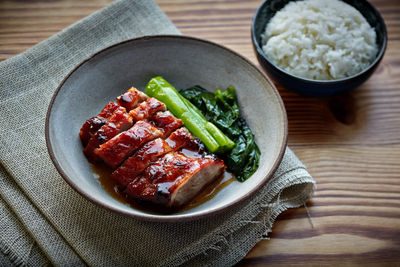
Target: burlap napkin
{"points": [[43, 221]]}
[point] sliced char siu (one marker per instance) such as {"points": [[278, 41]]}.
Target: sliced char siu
{"points": [[149, 153], [174, 179], [120, 147], [166, 122], [168, 166], [131, 98], [136, 164], [180, 138], [118, 122], [146, 109], [92, 125]]}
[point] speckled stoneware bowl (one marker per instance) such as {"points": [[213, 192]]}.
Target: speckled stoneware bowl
{"points": [[316, 87], [184, 62]]}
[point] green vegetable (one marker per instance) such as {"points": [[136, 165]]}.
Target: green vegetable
{"points": [[214, 139], [222, 109]]}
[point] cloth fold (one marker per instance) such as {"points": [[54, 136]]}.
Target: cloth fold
{"points": [[45, 221], [16, 246]]}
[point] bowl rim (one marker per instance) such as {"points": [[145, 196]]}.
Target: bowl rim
{"points": [[175, 217], [377, 59]]}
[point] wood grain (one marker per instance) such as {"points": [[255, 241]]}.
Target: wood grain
{"points": [[350, 143]]}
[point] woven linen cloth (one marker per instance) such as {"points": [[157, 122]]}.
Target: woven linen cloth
{"points": [[43, 221]]}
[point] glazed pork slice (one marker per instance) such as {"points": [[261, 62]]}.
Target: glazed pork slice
{"points": [[180, 138], [120, 147], [131, 98], [136, 164], [92, 125], [147, 108], [166, 122], [174, 179], [149, 153], [118, 122]]}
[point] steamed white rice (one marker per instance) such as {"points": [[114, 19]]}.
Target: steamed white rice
{"points": [[320, 40]]}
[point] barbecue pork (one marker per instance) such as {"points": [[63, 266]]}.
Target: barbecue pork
{"points": [[154, 158], [120, 147], [146, 109], [118, 122], [131, 98], [149, 153], [166, 122], [174, 179], [92, 125]]}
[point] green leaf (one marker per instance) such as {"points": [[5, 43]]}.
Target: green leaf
{"points": [[222, 109]]}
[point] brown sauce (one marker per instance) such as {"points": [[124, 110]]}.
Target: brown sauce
{"points": [[210, 191], [103, 173]]}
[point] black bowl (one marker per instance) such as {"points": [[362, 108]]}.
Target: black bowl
{"points": [[316, 87]]}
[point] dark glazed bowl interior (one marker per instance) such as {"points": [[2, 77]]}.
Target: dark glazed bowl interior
{"points": [[316, 87]]}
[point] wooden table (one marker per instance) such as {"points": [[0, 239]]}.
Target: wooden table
{"points": [[350, 143]]}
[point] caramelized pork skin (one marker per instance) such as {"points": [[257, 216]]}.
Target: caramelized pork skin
{"points": [[147, 108], [166, 122], [149, 153], [92, 125], [174, 179], [131, 98], [136, 164], [120, 147], [118, 122], [181, 138]]}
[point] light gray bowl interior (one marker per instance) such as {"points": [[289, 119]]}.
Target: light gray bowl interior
{"points": [[183, 62]]}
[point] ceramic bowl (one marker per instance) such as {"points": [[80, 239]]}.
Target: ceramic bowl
{"points": [[316, 87], [184, 62]]}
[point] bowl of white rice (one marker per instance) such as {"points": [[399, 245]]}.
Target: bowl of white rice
{"points": [[319, 47]]}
